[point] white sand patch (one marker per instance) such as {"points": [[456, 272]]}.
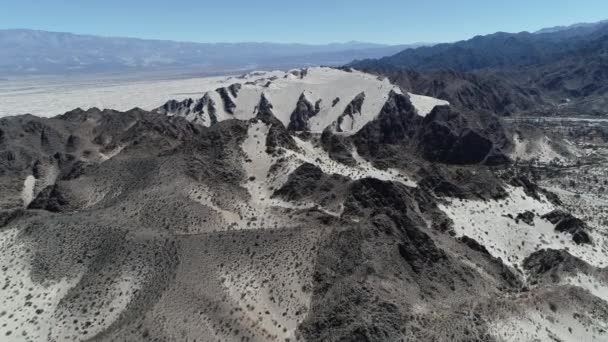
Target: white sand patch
{"points": [[257, 167], [317, 156], [486, 222], [27, 194], [425, 104]]}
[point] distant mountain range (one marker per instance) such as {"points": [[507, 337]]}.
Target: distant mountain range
{"points": [[39, 52], [561, 69], [579, 27]]}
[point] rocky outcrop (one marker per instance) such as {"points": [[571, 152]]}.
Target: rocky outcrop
{"points": [[72, 143], [566, 223], [474, 245], [445, 137], [396, 123], [207, 103], [531, 189], [302, 113], [527, 217], [299, 73], [461, 182], [174, 107], [505, 272], [50, 198], [391, 205], [229, 105], [202, 111], [264, 110], [278, 136], [234, 89], [552, 265], [352, 109], [7, 216], [307, 180], [337, 147]]}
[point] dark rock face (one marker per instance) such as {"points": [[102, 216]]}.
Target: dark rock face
{"points": [[302, 113], [187, 107], [335, 101], [397, 119], [389, 201], [174, 106], [352, 109], [460, 182], [526, 217], [551, 265], [229, 105], [278, 136], [207, 102], [318, 105], [446, 138], [503, 271], [555, 216], [234, 89], [529, 188], [396, 122], [443, 136], [6, 216], [50, 198], [301, 182], [307, 180], [264, 110], [72, 143], [566, 223], [473, 244], [337, 147]]}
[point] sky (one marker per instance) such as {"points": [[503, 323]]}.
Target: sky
{"points": [[289, 21]]}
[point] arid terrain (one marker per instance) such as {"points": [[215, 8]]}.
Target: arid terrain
{"points": [[292, 207]]}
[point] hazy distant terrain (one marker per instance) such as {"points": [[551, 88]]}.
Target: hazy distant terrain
{"points": [[40, 52]]}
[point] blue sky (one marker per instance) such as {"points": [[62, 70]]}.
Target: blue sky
{"points": [[306, 21]]}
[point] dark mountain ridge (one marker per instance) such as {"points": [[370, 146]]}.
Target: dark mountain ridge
{"points": [[562, 71]]}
